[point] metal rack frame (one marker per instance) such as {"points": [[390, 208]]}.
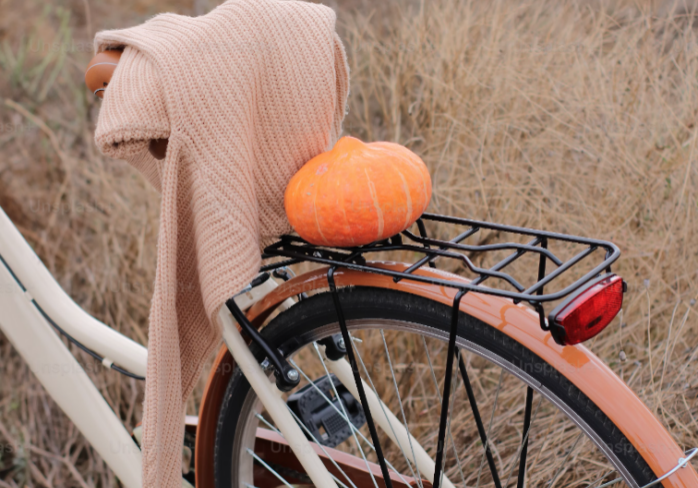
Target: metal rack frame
{"points": [[297, 250]]}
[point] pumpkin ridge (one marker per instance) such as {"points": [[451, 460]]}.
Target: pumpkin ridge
{"points": [[317, 221], [374, 197], [422, 169], [408, 195], [346, 222], [426, 187]]}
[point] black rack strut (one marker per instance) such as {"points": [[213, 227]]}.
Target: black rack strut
{"points": [[287, 377], [349, 346], [443, 419], [478, 422]]}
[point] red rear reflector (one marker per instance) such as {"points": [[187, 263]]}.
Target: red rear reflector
{"points": [[588, 312]]}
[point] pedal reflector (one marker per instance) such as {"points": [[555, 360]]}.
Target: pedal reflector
{"points": [[323, 419]]}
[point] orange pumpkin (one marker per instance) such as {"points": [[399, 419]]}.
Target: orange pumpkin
{"points": [[357, 193]]}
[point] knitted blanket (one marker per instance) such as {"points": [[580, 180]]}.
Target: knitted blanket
{"points": [[246, 95]]}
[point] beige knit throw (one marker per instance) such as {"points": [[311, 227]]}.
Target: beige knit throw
{"points": [[246, 95]]}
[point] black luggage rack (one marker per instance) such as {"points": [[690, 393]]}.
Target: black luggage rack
{"points": [[298, 250]]}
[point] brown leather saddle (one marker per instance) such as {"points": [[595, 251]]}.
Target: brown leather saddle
{"points": [[97, 77]]}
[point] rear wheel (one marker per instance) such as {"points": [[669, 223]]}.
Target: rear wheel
{"points": [[400, 341]]}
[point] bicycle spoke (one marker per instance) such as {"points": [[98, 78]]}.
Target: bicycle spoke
{"points": [[563, 467], [526, 436], [399, 401], [524, 440], [307, 431], [600, 480], [454, 388], [491, 446], [478, 422], [544, 440], [436, 387], [342, 413], [611, 483], [353, 429], [447, 389], [269, 468], [373, 387], [357, 378]]}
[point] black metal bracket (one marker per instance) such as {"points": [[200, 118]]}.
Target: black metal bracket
{"points": [[282, 274], [478, 422], [357, 378], [443, 420], [335, 348], [521, 478], [287, 377]]}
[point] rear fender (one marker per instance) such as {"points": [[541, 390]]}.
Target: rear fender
{"points": [[576, 363]]}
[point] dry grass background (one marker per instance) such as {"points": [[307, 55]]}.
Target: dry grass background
{"points": [[578, 117]]}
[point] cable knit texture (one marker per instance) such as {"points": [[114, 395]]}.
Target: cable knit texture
{"points": [[246, 95]]}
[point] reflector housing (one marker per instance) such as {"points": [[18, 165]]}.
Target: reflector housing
{"points": [[587, 312]]}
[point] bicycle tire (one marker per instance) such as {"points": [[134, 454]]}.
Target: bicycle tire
{"points": [[315, 317]]}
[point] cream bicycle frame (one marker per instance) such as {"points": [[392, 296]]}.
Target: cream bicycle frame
{"points": [[27, 289], [51, 361], [24, 283]]}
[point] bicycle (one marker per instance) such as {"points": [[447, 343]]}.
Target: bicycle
{"points": [[517, 404]]}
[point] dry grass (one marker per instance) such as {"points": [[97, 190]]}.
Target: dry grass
{"points": [[569, 116]]}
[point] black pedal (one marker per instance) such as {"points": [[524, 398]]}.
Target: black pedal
{"points": [[323, 421]]}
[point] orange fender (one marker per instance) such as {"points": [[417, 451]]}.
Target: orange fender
{"points": [[576, 363]]}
